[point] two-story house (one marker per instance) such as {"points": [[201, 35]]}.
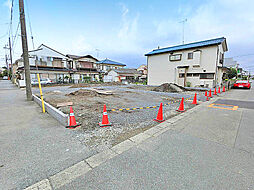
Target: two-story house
{"points": [[106, 65], [46, 61], [84, 67], [193, 64]]}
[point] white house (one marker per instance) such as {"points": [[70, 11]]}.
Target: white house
{"points": [[46, 61], [122, 75], [194, 64]]}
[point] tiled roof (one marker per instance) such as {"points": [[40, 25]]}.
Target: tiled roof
{"points": [[110, 62], [187, 46]]}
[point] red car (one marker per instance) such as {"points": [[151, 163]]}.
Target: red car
{"points": [[242, 84]]}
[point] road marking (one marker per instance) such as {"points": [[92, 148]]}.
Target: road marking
{"points": [[220, 106]]}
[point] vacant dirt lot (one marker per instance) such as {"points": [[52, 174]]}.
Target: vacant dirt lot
{"points": [[88, 105]]}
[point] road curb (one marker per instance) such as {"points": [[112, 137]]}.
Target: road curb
{"points": [[55, 113]]}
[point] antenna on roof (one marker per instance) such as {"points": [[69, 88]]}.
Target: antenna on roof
{"points": [[183, 21]]}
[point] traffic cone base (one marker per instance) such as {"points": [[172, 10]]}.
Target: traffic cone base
{"points": [[73, 127], [159, 117], [159, 121], [105, 125]]}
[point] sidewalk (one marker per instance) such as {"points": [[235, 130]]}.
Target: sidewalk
{"points": [[33, 145], [199, 151]]}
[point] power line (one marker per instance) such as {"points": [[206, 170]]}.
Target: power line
{"points": [[244, 55], [14, 41], [29, 21]]}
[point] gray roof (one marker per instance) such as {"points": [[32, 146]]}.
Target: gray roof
{"points": [[188, 46], [127, 71], [80, 57]]}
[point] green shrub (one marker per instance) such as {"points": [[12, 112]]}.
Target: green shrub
{"points": [[188, 84]]}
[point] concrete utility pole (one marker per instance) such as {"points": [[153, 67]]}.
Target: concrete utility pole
{"points": [[25, 50], [12, 76], [183, 21]]}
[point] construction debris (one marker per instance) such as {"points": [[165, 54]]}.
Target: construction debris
{"points": [[103, 92], [64, 104], [169, 87]]}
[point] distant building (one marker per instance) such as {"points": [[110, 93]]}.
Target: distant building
{"points": [[123, 75], [83, 66], [59, 68], [195, 64], [105, 65], [46, 61], [143, 70]]}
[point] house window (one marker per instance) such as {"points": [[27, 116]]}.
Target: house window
{"points": [[190, 55], [176, 57], [206, 76], [181, 75], [189, 74], [195, 75]]}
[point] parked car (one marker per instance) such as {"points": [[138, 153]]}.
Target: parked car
{"points": [[43, 81], [242, 84], [5, 78]]}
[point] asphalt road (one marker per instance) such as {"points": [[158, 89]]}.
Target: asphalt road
{"points": [[212, 148], [32, 145]]}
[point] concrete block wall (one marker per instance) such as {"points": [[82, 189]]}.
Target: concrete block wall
{"points": [[55, 113]]}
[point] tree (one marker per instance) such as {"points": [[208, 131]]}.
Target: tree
{"points": [[232, 73], [5, 72]]}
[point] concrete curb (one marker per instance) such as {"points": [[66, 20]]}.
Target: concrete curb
{"points": [[67, 175], [55, 113]]}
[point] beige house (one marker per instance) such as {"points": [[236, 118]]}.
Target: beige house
{"points": [[193, 64], [83, 67]]}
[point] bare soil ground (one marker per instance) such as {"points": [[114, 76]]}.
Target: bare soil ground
{"points": [[88, 105]]}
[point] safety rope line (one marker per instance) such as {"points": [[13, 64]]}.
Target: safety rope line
{"points": [[145, 107]]}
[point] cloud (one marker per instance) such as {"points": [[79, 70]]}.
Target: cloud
{"points": [[8, 3], [128, 31]]}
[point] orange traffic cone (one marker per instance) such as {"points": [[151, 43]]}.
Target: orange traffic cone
{"points": [[160, 115], [72, 120], [195, 99], [215, 93], [219, 90], [207, 99], [105, 121], [181, 107], [205, 93], [210, 93], [224, 90]]}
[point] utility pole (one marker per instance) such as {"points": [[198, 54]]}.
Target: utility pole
{"points": [[25, 50], [97, 51], [183, 21], [12, 76], [6, 61]]}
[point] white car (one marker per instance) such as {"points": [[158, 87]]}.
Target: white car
{"points": [[5, 78], [43, 81]]}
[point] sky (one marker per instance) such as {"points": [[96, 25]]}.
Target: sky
{"points": [[125, 30]]}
